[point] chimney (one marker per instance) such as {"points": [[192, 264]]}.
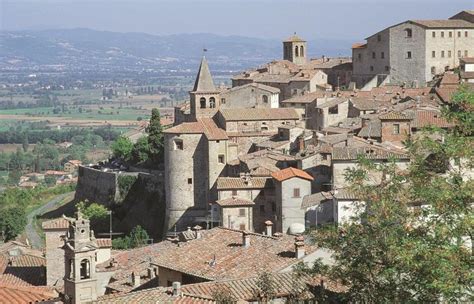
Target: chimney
{"points": [[197, 231], [245, 239], [299, 247], [300, 140], [176, 288], [268, 228], [151, 272], [135, 279]]}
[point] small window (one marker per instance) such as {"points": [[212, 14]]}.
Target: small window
{"points": [[449, 54], [359, 56], [433, 34], [373, 55], [408, 33], [433, 54], [379, 38], [242, 226], [396, 129], [212, 102], [202, 102], [433, 70], [295, 91], [221, 159], [264, 98], [296, 192], [190, 181], [450, 34], [459, 34], [465, 34], [334, 110], [442, 34], [242, 212], [264, 128], [442, 54], [387, 68], [408, 55], [382, 55], [234, 192], [466, 53], [222, 100], [85, 269], [371, 68], [178, 144], [262, 209], [459, 53]]}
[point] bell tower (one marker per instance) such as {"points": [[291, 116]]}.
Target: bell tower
{"points": [[204, 97], [80, 247], [294, 50]]}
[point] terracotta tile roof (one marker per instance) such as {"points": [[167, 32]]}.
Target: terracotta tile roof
{"points": [[430, 118], [467, 60], [290, 172], [186, 128], [304, 99], [259, 114], [370, 152], [396, 116], [205, 126], [75, 162], [234, 202], [321, 103], [319, 197], [16, 294], [239, 183], [219, 255], [59, 223], [255, 85], [373, 129], [446, 93], [449, 79], [467, 75], [448, 23], [53, 172], [359, 45], [149, 296], [104, 243], [294, 38]]}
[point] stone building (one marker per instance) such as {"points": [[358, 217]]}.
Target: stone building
{"points": [[412, 52], [294, 50], [252, 95], [325, 112], [467, 69]]}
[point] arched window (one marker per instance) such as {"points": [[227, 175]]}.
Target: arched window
{"points": [[296, 51], [265, 99], [408, 33], [302, 51], [212, 102], [202, 101], [85, 269]]}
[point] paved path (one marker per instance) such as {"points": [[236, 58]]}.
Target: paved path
{"points": [[31, 233]]}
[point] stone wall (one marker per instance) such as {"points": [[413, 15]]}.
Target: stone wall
{"points": [[54, 257], [96, 186]]}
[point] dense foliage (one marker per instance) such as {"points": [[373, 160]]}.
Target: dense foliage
{"points": [[410, 241], [138, 237]]}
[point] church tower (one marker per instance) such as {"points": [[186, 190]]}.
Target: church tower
{"points": [[204, 96], [294, 50], [80, 247]]}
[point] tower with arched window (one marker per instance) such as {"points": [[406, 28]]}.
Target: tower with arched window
{"points": [[80, 248], [294, 50], [204, 97]]}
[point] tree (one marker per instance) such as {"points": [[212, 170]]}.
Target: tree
{"points": [[122, 148], [408, 242], [93, 211], [223, 295], [138, 237], [25, 143], [155, 137], [141, 150], [12, 222]]}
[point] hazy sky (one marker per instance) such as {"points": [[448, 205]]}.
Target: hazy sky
{"points": [[345, 19]]}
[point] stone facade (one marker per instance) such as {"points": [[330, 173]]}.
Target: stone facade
{"points": [[294, 50], [251, 95], [54, 255]]}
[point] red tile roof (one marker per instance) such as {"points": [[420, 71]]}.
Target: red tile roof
{"points": [[290, 172], [359, 45], [259, 114], [16, 294], [104, 243], [239, 183], [205, 126], [430, 118], [59, 223], [234, 202]]}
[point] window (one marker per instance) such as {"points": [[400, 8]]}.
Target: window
{"points": [[190, 181], [212, 102], [301, 51], [449, 54], [433, 54], [450, 34], [242, 212], [373, 55], [387, 68], [371, 68], [409, 55], [442, 34], [202, 102], [262, 209], [242, 226], [334, 110], [382, 55], [222, 100], [295, 91], [442, 54], [234, 192], [408, 33], [297, 54], [459, 53], [465, 34], [396, 129], [379, 38], [459, 34], [85, 269], [220, 159], [296, 192], [178, 144], [264, 98], [466, 53], [359, 56], [433, 34]]}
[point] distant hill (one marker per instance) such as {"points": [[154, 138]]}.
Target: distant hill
{"points": [[90, 49]]}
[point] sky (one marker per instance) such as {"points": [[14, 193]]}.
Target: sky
{"points": [[312, 19]]}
